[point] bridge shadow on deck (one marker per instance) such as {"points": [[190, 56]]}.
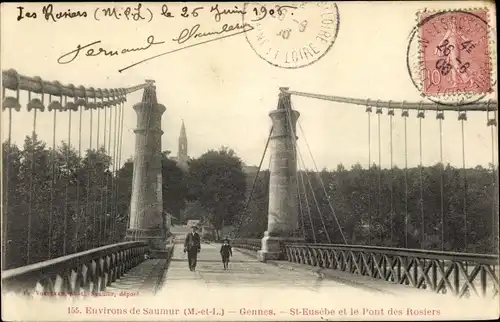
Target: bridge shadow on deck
{"points": [[216, 261]]}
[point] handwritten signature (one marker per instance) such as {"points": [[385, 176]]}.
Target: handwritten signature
{"points": [[92, 52], [190, 34], [187, 34]]}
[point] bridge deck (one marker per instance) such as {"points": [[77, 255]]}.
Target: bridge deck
{"points": [[244, 271], [366, 283], [145, 278], [281, 290], [251, 290]]}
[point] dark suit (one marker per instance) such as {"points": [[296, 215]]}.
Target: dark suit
{"points": [[192, 246], [225, 252]]}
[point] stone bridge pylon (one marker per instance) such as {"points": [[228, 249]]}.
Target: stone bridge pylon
{"points": [[283, 221], [146, 205]]}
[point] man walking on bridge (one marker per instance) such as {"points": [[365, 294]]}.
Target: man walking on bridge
{"points": [[192, 246]]}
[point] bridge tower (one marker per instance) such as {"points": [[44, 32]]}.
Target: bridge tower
{"points": [[283, 214], [146, 205]]}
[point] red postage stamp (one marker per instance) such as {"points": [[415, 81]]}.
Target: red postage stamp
{"points": [[455, 52]]}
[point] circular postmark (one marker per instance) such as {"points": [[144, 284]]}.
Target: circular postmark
{"points": [[291, 35], [449, 58]]}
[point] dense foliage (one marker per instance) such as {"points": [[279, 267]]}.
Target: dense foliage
{"points": [[371, 215], [218, 183], [59, 202]]}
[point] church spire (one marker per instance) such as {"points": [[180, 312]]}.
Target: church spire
{"points": [[183, 131]]}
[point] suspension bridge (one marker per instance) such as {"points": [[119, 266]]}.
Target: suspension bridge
{"points": [[80, 232]]}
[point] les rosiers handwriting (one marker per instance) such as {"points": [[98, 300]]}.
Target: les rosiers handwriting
{"points": [[49, 14], [92, 52]]}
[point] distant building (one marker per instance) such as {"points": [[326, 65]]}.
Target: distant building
{"points": [[193, 222], [182, 158]]}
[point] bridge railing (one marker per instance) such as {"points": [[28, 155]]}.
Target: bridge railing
{"points": [[88, 271], [462, 274], [253, 244]]}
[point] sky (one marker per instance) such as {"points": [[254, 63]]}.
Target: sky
{"points": [[224, 91]]}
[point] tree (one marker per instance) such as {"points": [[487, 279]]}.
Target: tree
{"points": [[252, 221], [124, 194], [218, 182], [391, 207], [11, 201], [175, 188]]}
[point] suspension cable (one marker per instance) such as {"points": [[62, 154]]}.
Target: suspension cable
{"points": [[420, 116], [258, 170], [247, 219], [66, 208], [321, 182], [90, 168], [492, 123], [11, 79], [120, 140], [9, 137], [113, 177], [297, 151], [102, 221], [28, 252], [97, 225], [368, 113], [379, 215], [5, 231], [117, 166], [476, 106], [308, 206], [301, 210], [440, 117], [5, 239], [315, 201], [463, 117], [52, 183], [391, 114], [79, 212], [108, 178], [405, 115], [334, 215]]}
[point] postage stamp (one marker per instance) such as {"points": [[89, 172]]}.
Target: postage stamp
{"points": [[451, 59], [292, 35]]}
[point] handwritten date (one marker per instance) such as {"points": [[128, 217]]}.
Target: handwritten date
{"points": [[219, 13], [143, 13], [263, 12]]}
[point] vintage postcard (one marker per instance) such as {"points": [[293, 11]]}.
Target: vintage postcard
{"points": [[258, 161]]}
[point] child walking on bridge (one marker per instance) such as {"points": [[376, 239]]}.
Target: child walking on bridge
{"points": [[225, 252]]}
